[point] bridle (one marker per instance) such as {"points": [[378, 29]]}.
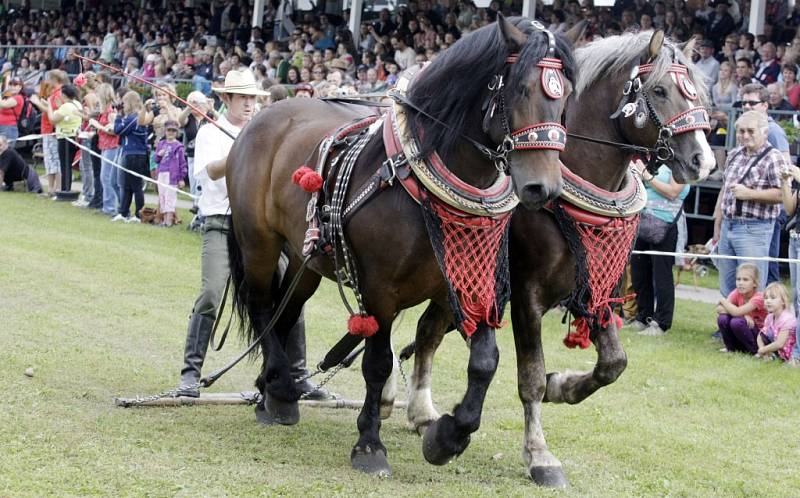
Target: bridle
{"points": [[546, 135], [635, 103]]}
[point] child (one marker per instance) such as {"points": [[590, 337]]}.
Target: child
{"points": [[131, 127], [742, 313], [172, 169], [778, 334]]}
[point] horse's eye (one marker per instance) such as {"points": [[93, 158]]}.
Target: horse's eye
{"points": [[660, 92]]}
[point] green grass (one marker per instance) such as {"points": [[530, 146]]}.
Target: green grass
{"points": [[99, 310]]}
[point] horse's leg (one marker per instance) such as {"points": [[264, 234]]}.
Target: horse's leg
{"points": [[369, 453], [543, 467], [389, 392], [431, 328], [574, 387], [278, 388], [449, 436]]}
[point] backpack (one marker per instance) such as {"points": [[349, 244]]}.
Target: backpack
{"points": [[29, 121]]}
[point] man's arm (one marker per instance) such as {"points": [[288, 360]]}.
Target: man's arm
{"points": [[216, 168]]}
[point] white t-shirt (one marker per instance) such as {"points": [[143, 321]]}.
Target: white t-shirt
{"points": [[209, 145]]}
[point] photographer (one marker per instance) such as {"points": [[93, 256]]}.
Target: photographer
{"points": [[131, 127]]}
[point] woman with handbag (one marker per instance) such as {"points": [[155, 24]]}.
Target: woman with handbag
{"points": [[658, 231]]}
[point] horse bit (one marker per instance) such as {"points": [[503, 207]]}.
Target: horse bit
{"points": [[636, 103]]}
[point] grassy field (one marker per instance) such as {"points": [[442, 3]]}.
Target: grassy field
{"points": [[99, 310]]}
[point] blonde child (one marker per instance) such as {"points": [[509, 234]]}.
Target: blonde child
{"points": [[742, 313], [172, 169], [778, 334]]}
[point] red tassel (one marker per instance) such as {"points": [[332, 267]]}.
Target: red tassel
{"points": [[299, 173], [365, 326], [580, 337], [311, 182]]}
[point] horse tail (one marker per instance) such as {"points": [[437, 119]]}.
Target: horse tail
{"points": [[240, 289]]}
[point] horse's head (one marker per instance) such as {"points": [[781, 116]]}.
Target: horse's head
{"points": [[524, 105], [500, 89], [661, 107]]}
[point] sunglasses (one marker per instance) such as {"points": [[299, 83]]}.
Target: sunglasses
{"points": [[750, 103]]}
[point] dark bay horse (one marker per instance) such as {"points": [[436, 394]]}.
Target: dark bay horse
{"points": [[542, 264], [453, 100]]}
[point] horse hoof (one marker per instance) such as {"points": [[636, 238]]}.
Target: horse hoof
{"points": [[549, 477], [278, 412], [433, 449], [371, 462], [386, 410]]}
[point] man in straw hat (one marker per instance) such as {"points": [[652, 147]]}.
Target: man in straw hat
{"points": [[211, 152]]}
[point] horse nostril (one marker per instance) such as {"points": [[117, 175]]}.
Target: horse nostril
{"points": [[697, 160], [534, 195]]}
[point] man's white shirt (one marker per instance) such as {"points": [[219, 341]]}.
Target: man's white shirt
{"points": [[212, 144]]}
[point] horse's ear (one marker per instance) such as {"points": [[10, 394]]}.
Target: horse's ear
{"points": [[576, 32], [654, 47], [688, 47], [515, 39]]}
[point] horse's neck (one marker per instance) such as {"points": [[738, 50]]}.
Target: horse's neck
{"points": [[471, 166], [604, 166]]}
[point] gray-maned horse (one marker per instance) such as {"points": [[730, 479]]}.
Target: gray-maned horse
{"points": [[542, 265]]}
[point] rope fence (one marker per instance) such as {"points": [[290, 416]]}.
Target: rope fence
{"points": [[115, 164], [686, 255]]}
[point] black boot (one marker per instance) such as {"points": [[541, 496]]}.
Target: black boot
{"points": [[195, 352], [296, 353]]}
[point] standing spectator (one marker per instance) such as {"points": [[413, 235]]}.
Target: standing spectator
{"points": [[790, 194], [10, 111], [67, 120], [172, 170], [131, 127], [741, 314], [108, 144], [49, 98], [652, 275], [747, 206], [87, 136], [191, 121]]}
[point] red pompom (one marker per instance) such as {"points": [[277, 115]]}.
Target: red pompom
{"points": [[365, 326], [311, 181], [299, 173]]}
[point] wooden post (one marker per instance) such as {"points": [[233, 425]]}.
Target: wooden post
{"points": [[243, 398]]}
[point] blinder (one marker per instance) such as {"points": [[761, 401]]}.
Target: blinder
{"points": [[694, 118], [538, 136]]}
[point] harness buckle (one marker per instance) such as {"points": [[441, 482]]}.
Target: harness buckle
{"points": [[497, 83], [665, 133]]}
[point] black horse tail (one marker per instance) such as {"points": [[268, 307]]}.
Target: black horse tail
{"points": [[241, 293]]}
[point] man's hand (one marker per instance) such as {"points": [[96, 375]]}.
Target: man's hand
{"points": [[741, 192]]}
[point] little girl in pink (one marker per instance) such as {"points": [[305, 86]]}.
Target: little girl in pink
{"points": [[778, 334], [172, 169]]}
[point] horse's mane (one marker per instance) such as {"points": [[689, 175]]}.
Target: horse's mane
{"points": [[451, 86], [609, 57]]}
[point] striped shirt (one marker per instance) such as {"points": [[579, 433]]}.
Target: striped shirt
{"points": [[762, 176]]}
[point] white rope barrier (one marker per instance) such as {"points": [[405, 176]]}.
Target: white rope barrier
{"points": [[716, 256], [143, 177], [116, 165]]}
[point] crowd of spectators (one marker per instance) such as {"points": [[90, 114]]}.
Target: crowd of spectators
{"points": [[190, 50]]}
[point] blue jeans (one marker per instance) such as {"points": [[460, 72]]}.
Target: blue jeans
{"points": [[108, 176], [746, 237], [775, 246], [119, 177], [794, 272], [11, 133]]}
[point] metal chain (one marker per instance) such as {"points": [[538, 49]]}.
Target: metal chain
{"points": [[403, 373], [172, 393], [324, 381]]}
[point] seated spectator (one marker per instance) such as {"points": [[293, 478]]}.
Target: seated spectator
{"points": [[777, 337], [744, 70], [790, 85], [304, 90], [778, 102], [769, 68], [740, 315], [707, 64], [14, 169], [748, 202]]}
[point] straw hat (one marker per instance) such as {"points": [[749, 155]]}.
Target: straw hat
{"points": [[241, 82]]}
